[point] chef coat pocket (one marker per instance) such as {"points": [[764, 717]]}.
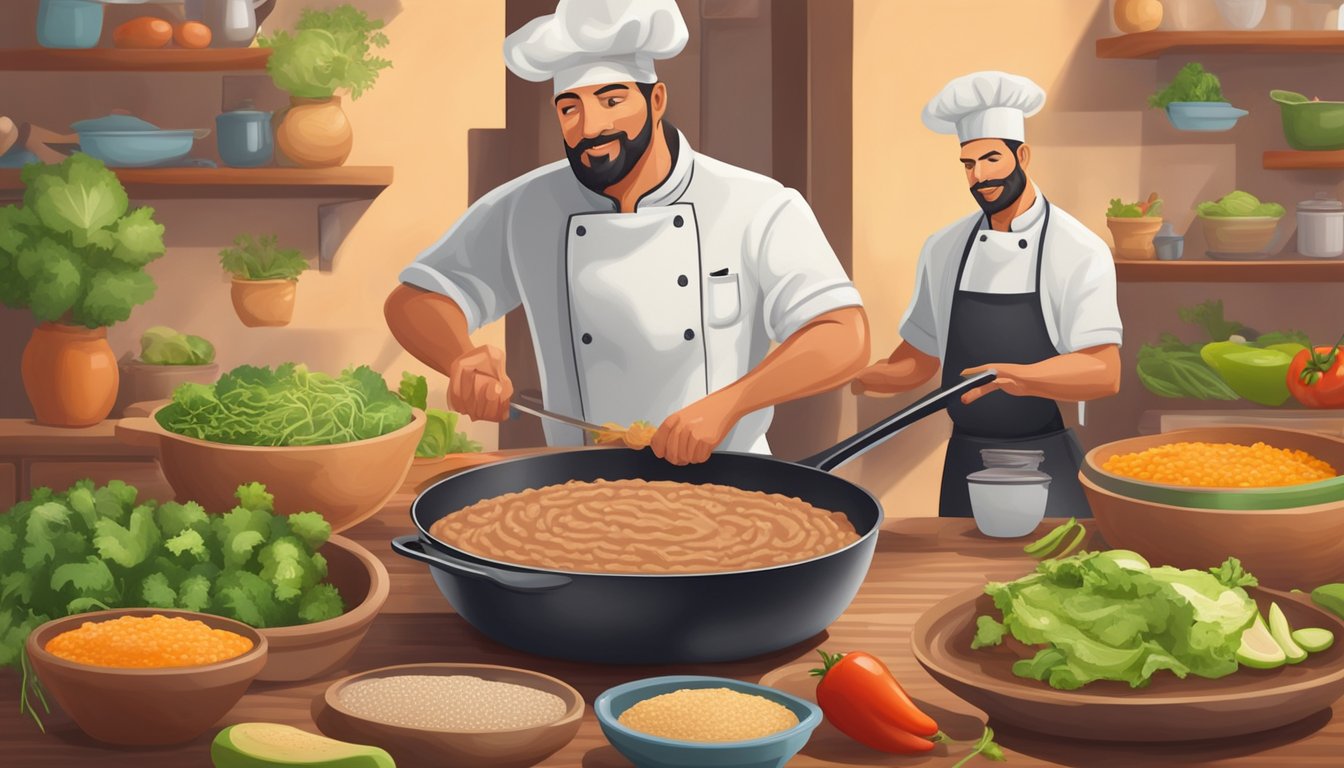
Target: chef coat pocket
{"points": [[722, 301]]}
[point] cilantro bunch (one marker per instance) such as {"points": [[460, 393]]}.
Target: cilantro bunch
{"points": [[92, 548], [290, 405]]}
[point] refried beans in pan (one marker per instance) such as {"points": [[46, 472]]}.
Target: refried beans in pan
{"points": [[641, 526]]}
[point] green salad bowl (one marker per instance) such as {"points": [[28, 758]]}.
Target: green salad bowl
{"points": [[1310, 125], [1324, 447]]}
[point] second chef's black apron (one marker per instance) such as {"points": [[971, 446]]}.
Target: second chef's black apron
{"points": [[988, 328]]}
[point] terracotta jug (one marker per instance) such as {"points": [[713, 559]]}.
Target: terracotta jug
{"points": [[314, 133], [70, 375]]}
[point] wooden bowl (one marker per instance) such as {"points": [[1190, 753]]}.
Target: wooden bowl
{"points": [[142, 707], [306, 651], [1298, 548], [412, 747], [1169, 709], [346, 482], [1324, 447]]}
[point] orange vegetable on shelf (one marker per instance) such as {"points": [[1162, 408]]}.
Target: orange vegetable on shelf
{"points": [[192, 34], [143, 32]]}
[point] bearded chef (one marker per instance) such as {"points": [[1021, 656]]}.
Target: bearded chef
{"points": [[1020, 287], [654, 278]]}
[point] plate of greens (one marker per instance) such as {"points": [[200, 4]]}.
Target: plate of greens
{"points": [[1103, 646]]}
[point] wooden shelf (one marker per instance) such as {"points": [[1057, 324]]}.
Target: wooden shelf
{"points": [[1150, 45], [1208, 271], [345, 192], [1293, 160], [121, 60], [357, 182]]}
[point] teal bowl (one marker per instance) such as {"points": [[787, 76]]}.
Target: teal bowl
{"points": [[647, 751], [1324, 447]]}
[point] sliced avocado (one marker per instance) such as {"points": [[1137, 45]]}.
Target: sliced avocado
{"points": [[1287, 97], [1313, 639], [1258, 647], [1330, 597], [1283, 635], [267, 745]]}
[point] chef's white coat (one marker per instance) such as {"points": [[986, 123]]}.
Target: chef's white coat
{"points": [[637, 315], [1078, 295]]}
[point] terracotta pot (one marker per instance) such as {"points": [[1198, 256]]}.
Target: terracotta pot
{"points": [[346, 482], [1134, 237], [70, 375], [314, 133], [306, 651], [141, 382], [262, 303], [1137, 15]]}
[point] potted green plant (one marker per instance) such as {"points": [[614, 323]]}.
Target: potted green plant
{"points": [[328, 52], [1133, 227], [1193, 101], [167, 360], [265, 279], [74, 254]]}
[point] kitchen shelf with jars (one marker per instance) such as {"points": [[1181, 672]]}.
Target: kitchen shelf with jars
{"points": [[297, 152], [1241, 234]]}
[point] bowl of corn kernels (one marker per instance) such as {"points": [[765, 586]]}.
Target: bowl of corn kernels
{"points": [[1273, 498], [144, 676]]}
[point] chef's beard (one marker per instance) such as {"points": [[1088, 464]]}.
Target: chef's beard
{"points": [[606, 171], [1014, 184]]}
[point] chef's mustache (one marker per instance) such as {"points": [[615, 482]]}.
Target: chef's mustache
{"points": [[989, 184], [583, 145]]}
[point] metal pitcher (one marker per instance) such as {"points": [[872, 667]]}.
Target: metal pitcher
{"points": [[232, 23]]}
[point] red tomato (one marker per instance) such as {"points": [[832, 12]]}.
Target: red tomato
{"points": [[1316, 377]]}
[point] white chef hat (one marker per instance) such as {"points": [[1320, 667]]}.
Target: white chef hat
{"points": [[586, 42], [985, 105]]}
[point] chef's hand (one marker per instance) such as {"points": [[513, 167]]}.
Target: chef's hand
{"points": [[1009, 378], [478, 385], [690, 435]]}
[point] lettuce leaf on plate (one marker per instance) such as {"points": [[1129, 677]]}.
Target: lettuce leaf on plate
{"points": [[1110, 616]]}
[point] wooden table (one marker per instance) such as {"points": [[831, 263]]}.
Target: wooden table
{"points": [[918, 562]]}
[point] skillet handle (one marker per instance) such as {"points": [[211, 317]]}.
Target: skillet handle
{"points": [[847, 450], [412, 547]]}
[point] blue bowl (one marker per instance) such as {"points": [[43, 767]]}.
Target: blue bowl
{"points": [[647, 751], [69, 23], [136, 149], [1206, 116]]}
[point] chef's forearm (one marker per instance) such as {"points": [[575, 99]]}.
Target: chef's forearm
{"points": [[1088, 374], [428, 325], [818, 357]]}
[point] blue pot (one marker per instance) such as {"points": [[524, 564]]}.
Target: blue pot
{"points": [[1203, 115], [69, 23], [245, 138]]}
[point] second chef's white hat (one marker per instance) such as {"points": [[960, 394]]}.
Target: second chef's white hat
{"points": [[985, 105], [587, 42]]}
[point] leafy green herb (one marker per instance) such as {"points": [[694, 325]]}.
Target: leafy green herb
{"points": [[985, 747], [1174, 369], [259, 259], [162, 345], [1232, 574], [1192, 83], [328, 51], [1119, 209], [1237, 204], [93, 548], [1209, 316], [75, 252], [286, 406], [441, 436], [1111, 616]]}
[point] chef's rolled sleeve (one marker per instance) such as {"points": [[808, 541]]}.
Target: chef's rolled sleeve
{"points": [[1088, 314], [799, 276], [470, 264], [920, 323]]}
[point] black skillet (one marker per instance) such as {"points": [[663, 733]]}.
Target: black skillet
{"points": [[661, 618]]}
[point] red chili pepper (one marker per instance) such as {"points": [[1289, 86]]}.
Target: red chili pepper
{"points": [[861, 698]]}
